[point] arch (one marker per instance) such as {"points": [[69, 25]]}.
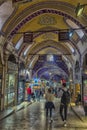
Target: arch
{"points": [[12, 58], [39, 12]]}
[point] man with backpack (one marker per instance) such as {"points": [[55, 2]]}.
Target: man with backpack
{"points": [[65, 100]]}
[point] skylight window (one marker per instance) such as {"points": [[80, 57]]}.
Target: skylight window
{"points": [[71, 48], [74, 26], [27, 49], [50, 58], [6, 10], [19, 43]]}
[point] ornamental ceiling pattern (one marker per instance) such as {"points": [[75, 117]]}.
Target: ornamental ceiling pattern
{"points": [[44, 18], [47, 20]]}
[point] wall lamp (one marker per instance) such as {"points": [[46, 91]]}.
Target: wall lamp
{"points": [[79, 9]]}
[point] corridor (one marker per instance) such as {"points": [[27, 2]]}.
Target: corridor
{"points": [[33, 117]]}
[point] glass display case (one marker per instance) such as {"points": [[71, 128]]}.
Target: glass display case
{"points": [[10, 90]]}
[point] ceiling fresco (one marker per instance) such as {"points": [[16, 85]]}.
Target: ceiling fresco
{"points": [[45, 19]]}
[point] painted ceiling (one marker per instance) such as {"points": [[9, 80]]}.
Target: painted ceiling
{"points": [[44, 19]]}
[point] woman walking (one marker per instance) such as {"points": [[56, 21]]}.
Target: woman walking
{"points": [[49, 104]]}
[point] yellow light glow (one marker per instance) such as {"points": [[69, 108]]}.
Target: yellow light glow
{"points": [[80, 11]]}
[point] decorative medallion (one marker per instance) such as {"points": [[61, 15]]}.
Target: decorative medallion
{"points": [[48, 36], [47, 20]]}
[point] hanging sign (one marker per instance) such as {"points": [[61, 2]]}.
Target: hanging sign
{"points": [[28, 37], [42, 58], [58, 58], [63, 36]]}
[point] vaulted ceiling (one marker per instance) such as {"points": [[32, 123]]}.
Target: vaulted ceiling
{"points": [[44, 19]]}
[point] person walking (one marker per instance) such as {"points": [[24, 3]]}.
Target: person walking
{"points": [[49, 105], [65, 100], [29, 93]]}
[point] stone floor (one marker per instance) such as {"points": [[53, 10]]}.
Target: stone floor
{"points": [[33, 117]]}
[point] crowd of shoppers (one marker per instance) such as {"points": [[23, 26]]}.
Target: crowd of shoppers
{"points": [[50, 95]]}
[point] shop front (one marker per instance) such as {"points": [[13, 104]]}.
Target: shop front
{"points": [[11, 84], [84, 84], [21, 91], [10, 90], [21, 84], [1, 95], [0, 90], [78, 89]]}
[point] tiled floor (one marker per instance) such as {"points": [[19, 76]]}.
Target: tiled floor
{"points": [[33, 118]]}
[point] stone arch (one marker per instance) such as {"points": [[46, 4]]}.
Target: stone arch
{"points": [[12, 58]]}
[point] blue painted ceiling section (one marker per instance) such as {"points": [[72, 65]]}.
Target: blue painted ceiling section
{"points": [[40, 68]]}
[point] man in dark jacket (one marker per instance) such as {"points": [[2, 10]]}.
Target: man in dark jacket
{"points": [[64, 104]]}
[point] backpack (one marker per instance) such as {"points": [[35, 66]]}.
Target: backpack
{"points": [[65, 97]]}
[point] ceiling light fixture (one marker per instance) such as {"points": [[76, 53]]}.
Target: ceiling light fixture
{"points": [[79, 9]]}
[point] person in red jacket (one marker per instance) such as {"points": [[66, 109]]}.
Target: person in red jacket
{"points": [[29, 93]]}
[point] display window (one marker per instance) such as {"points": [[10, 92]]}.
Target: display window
{"points": [[10, 90]]}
